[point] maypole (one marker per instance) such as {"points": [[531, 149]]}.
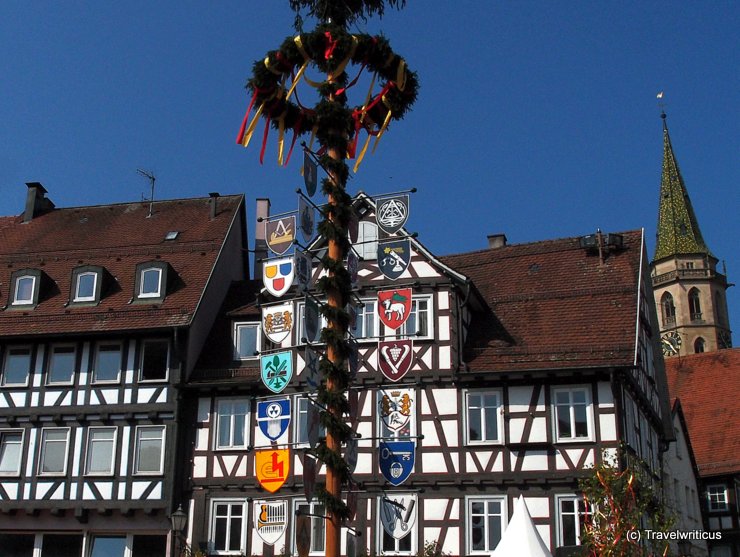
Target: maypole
{"points": [[332, 50]]}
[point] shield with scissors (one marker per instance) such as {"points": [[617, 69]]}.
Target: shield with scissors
{"points": [[398, 514]]}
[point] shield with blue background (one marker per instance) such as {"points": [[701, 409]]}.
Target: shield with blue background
{"points": [[277, 275], [397, 460], [394, 257], [273, 417], [277, 369]]}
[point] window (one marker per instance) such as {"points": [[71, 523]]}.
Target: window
{"points": [[17, 366], [486, 521], [61, 545], [695, 304], [318, 532], [699, 345], [418, 323], [11, 451], [25, 286], [151, 283], [572, 414], [246, 341], [228, 526], [149, 457], [482, 410], [388, 544], [54, 445], [367, 241], [668, 309], [717, 498], [232, 424], [17, 545], [62, 363], [108, 546], [85, 287], [154, 360], [572, 512], [101, 450], [301, 421], [367, 321], [107, 367]]}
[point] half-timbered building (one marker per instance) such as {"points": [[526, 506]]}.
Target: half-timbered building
{"points": [[528, 362], [104, 310]]}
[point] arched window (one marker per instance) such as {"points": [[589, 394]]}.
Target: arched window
{"points": [[699, 345], [668, 309], [694, 304]]}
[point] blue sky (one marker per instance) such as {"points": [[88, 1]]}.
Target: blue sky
{"points": [[535, 119]]}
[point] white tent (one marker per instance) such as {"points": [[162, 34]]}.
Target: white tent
{"points": [[521, 538]]}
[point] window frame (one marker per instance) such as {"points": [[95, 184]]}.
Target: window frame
{"points": [[414, 532], [238, 326], [469, 500], [43, 451], [217, 446], [6, 354], [96, 354], [402, 332], [668, 309], [212, 526], [589, 414], [88, 453], [577, 500], [711, 503], [162, 269], [299, 425], [16, 287], [13, 431], [77, 276], [137, 450], [499, 417], [49, 366], [694, 299], [16, 277], [365, 246], [144, 343], [312, 509]]}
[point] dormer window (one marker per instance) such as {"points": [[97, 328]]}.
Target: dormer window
{"points": [[87, 285], [25, 288], [151, 281]]}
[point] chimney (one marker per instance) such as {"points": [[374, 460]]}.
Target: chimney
{"points": [[496, 241], [36, 201], [214, 203], [260, 241]]}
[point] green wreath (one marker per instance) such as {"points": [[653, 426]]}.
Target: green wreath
{"points": [[330, 49]]}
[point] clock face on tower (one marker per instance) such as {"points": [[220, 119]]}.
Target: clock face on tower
{"points": [[671, 343]]}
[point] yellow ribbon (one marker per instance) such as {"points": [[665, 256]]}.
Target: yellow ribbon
{"points": [[401, 75], [252, 125], [272, 70], [344, 63], [384, 126], [361, 156], [281, 138]]}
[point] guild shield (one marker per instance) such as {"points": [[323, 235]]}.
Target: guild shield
{"points": [[398, 514], [273, 417], [394, 257], [351, 543], [350, 454], [277, 321], [313, 422], [270, 520], [313, 377], [353, 227], [395, 357], [280, 233], [392, 213], [277, 275], [396, 408], [397, 460], [394, 307], [310, 471], [303, 535], [353, 358], [306, 219], [277, 369], [310, 177], [311, 319], [352, 500], [272, 467], [353, 267], [303, 270]]}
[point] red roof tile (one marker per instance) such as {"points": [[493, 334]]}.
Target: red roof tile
{"points": [[708, 386], [116, 237], [552, 305]]}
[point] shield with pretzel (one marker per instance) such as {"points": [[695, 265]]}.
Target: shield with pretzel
{"points": [[395, 357]]}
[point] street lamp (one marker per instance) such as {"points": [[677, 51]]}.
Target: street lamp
{"points": [[178, 519]]}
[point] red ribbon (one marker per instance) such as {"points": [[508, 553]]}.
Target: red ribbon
{"points": [[295, 136], [264, 140], [243, 127], [331, 44]]}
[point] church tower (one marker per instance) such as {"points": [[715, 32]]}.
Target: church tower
{"points": [[689, 291]]}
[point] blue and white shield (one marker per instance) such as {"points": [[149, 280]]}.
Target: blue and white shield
{"points": [[273, 417], [277, 369], [394, 257], [397, 460]]}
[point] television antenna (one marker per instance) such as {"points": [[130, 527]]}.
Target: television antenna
{"points": [[152, 178]]}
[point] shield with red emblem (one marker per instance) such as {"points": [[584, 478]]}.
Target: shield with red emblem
{"points": [[394, 306], [395, 357], [277, 275]]}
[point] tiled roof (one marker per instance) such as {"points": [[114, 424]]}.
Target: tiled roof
{"points": [[708, 386], [552, 305], [116, 237]]}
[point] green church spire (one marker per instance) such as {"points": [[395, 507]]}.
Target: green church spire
{"points": [[678, 230]]}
